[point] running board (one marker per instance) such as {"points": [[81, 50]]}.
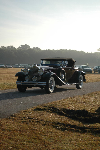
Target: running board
{"points": [[66, 83]]}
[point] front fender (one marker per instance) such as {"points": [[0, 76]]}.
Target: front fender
{"points": [[19, 74], [48, 75], [58, 81]]}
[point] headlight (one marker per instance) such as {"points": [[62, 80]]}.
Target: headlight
{"points": [[25, 70], [40, 71]]}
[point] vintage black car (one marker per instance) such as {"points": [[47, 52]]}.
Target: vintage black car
{"points": [[51, 73]]}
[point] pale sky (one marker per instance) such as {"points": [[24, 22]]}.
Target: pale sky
{"points": [[51, 24]]}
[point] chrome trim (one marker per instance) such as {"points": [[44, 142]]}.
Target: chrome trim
{"points": [[30, 83], [62, 81]]}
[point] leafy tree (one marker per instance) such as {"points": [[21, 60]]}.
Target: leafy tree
{"points": [[24, 47]]}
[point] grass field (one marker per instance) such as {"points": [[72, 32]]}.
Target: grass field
{"points": [[7, 78], [68, 124]]}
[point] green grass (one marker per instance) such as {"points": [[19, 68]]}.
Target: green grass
{"points": [[72, 124]]}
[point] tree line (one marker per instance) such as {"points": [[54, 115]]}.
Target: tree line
{"points": [[26, 55]]}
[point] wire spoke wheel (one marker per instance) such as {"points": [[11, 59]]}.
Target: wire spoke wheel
{"points": [[50, 84]]}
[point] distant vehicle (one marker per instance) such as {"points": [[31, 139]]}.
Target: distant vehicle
{"points": [[16, 66], [96, 69], [2, 66], [8, 66], [85, 68], [24, 65], [51, 73], [77, 66]]}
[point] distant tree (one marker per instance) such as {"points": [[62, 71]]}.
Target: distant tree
{"points": [[25, 54], [11, 47], [24, 47], [2, 47]]}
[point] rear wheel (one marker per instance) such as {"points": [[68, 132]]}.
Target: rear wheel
{"points": [[79, 86], [50, 84]]}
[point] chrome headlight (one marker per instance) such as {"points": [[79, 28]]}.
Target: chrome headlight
{"points": [[25, 70], [40, 71]]}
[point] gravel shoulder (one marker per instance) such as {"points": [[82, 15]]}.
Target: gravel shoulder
{"points": [[12, 101]]}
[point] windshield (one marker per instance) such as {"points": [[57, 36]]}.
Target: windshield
{"points": [[85, 67], [53, 62]]}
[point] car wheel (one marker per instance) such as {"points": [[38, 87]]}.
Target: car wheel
{"points": [[79, 86], [41, 87], [50, 84], [21, 88]]}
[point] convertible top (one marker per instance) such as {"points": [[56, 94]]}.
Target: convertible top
{"points": [[71, 61], [59, 58]]}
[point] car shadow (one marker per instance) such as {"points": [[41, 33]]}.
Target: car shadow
{"points": [[28, 93], [83, 116]]}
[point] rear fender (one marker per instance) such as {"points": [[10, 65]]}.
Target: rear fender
{"points": [[75, 77], [83, 74]]}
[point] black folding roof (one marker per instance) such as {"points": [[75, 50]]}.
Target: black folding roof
{"points": [[58, 58]]}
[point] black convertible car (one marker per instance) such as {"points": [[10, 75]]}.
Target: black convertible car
{"points": [[51, 73]]}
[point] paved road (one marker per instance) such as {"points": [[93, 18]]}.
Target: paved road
{"points": [[12, 101]]}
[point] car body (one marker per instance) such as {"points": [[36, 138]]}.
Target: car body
{"points": [[8, 66], [96, 69], [16, 66], [51, 73], [2, 66], [85, 68], [24, 65]]}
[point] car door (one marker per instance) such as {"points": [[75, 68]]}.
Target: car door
{"points": [[69, 71]]}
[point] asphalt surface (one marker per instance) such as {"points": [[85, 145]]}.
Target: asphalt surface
{"points": [[12, 101]]}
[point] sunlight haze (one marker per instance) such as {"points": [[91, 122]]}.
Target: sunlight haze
{"points": [[51, 24]]}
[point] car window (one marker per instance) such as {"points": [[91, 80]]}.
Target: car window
{"points": [[58, 62]]}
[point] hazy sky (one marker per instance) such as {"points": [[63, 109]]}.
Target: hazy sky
{"points": [[51, 24]]}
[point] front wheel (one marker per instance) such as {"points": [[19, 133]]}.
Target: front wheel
{"points": [[50, 84], [21, 88], [80, 84]]}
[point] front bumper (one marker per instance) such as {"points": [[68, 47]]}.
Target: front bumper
{"points": [[30, 83]]}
